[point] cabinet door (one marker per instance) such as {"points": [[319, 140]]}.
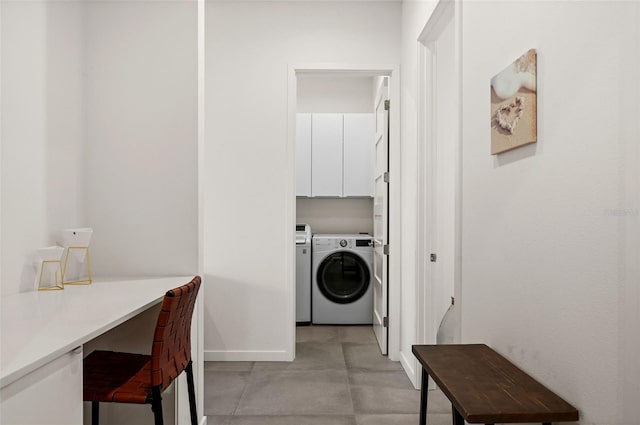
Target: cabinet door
{"points": [[303, 155], [359, 154], [326, 156], [51, 394]]}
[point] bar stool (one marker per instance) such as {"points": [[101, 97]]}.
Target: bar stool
{"points": [[112, 377]]}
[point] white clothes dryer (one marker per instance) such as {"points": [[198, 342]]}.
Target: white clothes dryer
{"points": [[342, 279]]}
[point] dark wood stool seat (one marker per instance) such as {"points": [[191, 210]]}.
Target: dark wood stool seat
{"points": [[486, 388], [114, 377]]}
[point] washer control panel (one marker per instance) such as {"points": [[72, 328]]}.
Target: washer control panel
{"points": [[334, 241]]}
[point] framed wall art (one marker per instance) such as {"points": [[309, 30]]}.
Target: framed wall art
{"points": [[514, 105]]}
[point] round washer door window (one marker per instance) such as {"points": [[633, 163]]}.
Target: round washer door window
{"points": [[343, 277]]}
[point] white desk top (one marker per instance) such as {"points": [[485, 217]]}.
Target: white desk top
{"points": [[37, 327]]}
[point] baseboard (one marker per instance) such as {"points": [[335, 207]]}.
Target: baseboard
{"points": [[409, 366], [247, 356]]}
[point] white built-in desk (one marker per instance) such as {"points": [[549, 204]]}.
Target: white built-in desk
{"points": [[42, 339]]}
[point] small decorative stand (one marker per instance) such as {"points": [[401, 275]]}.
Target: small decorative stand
{"points": [[77, 262], [49, 276]]}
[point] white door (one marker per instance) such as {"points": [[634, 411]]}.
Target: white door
{"points": [[438, 178], [443, 182], [381, 215]]}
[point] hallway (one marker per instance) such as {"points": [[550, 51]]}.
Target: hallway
{"points": [[337, 378]]}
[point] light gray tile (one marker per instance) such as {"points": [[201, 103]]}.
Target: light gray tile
{"points": [[397, 419], [439, 418], [367, 357], [310, 356], [437, 402], [229, 366], [219, 420], [317, 333], [357, 334], [296, 393], [403, 419], [294, 420], [222, 391], [383, 379], [383, 392]]}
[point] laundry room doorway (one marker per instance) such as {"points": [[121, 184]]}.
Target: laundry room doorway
{"points": [[371, 212]]}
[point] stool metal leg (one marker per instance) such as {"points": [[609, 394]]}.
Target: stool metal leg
{"points": [[95, 413], [156, 405], [192, 393]]}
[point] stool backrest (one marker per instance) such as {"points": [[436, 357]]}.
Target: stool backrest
{"points": [[171, 351]]}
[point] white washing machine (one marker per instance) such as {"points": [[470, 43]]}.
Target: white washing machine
{"points": [[342, 279], [303, 274]]}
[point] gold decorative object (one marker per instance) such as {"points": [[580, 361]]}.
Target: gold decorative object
{"points": [[49, 275], [77, 262], [87, 261], [57, 275]]}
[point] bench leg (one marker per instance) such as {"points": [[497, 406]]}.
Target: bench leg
{"points": [[457, 417], [423, 397]]}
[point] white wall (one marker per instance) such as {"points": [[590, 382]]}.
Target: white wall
{"points": [[346, 215], [99, 129], [415, 15], [550, 231], [142, 137], [335, 94], [43, 188], [249, 47]]}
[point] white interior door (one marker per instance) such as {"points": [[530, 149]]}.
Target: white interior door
{"points": [[381, 215], [438, 181], [444, 175]]}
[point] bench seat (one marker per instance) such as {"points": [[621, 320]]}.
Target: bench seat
{"points": [[484, 387]]}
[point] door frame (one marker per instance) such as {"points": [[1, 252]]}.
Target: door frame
{"points": [[364, 70], [446, 11]]}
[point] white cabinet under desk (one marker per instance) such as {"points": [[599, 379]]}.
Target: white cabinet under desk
{"points": [[43, 336], [50, 394]]}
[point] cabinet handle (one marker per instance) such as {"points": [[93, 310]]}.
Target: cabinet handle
{"points": [[77, 350]]}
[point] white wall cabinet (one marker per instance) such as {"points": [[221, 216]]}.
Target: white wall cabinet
{"points": [[335, 155], [50, 394], [326, 155], [358, 155], [303, 155]]}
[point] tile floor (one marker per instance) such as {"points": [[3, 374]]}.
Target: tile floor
{"points": [[338, 377]]}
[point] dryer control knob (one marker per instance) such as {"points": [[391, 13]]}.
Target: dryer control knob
{"points": [[343, 243]]}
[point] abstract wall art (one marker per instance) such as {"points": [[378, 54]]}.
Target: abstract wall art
{"points": [[514, 105]]}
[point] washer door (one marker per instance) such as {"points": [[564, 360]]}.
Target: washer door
{"points": [[343, 277]]}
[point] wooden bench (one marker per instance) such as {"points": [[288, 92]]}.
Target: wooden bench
{"points": [[484, 387]]}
